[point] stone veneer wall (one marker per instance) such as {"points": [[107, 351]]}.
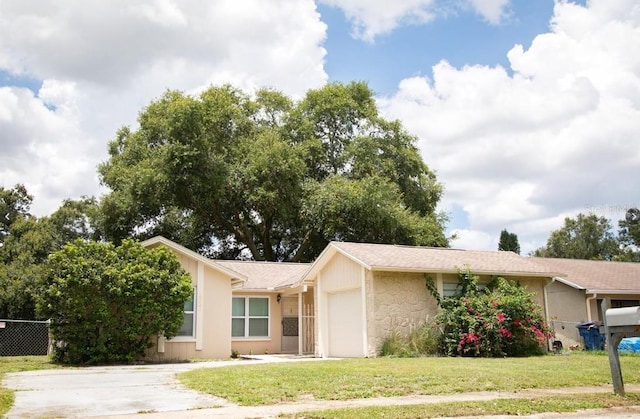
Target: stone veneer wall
{"points": [[397, 301]]}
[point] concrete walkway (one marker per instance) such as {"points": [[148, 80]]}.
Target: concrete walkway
{"points": [[128, 391], [245, 412]]}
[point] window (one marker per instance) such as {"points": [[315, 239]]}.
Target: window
{"points": [[250, 317], [188, 324], [624, 303], [452, 289]]}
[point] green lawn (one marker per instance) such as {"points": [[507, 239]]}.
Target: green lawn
{"points": [[17, 364], [515, 407], [266, 384]]}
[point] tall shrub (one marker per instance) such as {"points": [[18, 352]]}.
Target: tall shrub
{"points": [[106, 302], [499, 320]]}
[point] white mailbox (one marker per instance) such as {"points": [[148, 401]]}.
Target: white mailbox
{"points": [[626, 316]]}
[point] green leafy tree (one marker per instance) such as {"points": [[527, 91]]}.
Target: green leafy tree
{"points": [[106, 302], [24, 245], [23, 255], [232, 174], [76, 219], [27, 241], [583, 237], [509, 242], [629, 241], [14, 205], [499, 320]]}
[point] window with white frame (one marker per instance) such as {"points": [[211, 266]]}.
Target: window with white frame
{"points": [[189, 317], [250, 317]]}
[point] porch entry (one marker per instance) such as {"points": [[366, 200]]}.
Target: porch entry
{"points": [[289, 324]]}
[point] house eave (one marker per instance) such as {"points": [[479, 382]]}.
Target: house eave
{"points": [[613, 292], [569, 283], [456, 271]]}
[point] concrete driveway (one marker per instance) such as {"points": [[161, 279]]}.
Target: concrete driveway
{"points": [[101, 391], [119, 390]]}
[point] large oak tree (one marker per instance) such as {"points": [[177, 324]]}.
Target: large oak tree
{"points": [[268, 177]]}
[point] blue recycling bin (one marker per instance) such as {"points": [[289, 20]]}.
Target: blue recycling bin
{"points": [[593, 339]]}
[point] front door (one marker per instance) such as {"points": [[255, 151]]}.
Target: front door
{"points": [[289, 324]]}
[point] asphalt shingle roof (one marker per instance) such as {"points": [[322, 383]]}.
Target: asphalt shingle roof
{"points": [[266, 275], [596, 275], [432, 259]]}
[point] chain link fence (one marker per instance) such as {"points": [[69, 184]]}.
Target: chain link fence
{"points": [[24, 337]]}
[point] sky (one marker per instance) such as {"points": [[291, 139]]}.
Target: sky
{"points": [[527, 111]]}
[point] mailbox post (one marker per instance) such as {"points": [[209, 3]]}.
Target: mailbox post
{"points": [[619, 323]]}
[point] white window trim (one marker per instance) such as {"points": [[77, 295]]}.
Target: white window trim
{"points": [[246, 318]]}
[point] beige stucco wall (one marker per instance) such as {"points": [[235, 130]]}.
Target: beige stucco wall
{"points": [[215, 324], [212, 311], [397, 302], [567, 307]]}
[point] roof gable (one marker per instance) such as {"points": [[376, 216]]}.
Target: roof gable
{"points": [[159, 240]]}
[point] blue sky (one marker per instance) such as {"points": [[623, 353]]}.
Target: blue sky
{"points": [[526, 110], [462, 39]]}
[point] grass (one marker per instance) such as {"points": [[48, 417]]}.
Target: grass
{"points": [[17, 364], [516, 407], [267, 384]]}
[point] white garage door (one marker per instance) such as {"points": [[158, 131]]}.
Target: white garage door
{"points": [[345, 324]]}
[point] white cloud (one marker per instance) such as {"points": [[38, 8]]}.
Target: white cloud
{"points": [[554, 135], [372, 18], [43, 148], [100, 63], [492, 11], [473, 239]]}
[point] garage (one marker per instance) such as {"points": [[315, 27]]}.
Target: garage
{"points": [[344, 311]]}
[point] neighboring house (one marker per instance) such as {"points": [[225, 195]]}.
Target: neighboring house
{"points": [[575, 296], [355, 295]]}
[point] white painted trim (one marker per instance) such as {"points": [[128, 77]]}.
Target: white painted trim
{"points": [[320, 301], [363, 296], [199, 306], [300, 320]]}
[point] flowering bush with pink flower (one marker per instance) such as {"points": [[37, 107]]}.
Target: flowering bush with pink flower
{"points": [[499, 320]]}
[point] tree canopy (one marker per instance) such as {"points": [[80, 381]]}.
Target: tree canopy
{"points": [[509, 242], [268, 177], [106, 302], [26, 241], [583, 237]]}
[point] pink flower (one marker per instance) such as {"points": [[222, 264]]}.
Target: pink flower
{"points": [[500, 317], [504, 333]]}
